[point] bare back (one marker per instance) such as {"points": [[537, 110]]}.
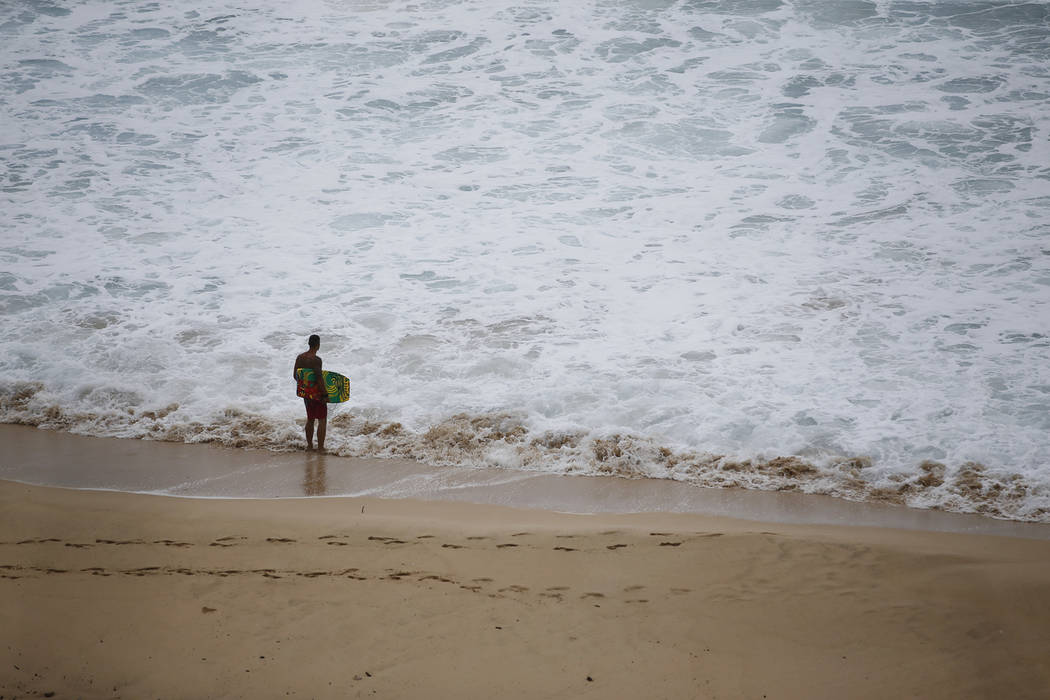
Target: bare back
{"points": [[308, 359]]}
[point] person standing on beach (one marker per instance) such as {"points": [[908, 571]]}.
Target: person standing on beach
{"points": [[313, 393]]}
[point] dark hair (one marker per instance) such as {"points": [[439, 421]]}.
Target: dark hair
{"points": [[315, 341]]}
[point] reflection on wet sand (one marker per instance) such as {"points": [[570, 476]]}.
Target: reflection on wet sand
{"points": [[314, 478], [55, 458]]}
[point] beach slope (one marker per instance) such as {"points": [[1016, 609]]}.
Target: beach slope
{"points": [[108, 594]]}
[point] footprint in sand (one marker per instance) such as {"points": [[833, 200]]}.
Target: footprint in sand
{"points": [[514, 589], [434, 577], [592, 595], [565, 549], [452, 546], [505, 544], [141, 571], [387, 540], [615, 546], [670, 544], [9, 568], [636, 587], [281, 540]]}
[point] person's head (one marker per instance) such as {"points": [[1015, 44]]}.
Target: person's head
{"points": [[315, 342]]}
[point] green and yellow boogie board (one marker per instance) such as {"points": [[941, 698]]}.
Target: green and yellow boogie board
{"points": [[335, 385]]}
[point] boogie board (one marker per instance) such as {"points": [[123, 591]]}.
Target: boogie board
{"points": [[336, 385]]}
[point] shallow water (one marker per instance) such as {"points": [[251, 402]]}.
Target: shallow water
{"points": [[665, 239], [208, 471]]}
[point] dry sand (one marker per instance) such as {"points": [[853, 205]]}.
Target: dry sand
{"points": [[108, 594]]}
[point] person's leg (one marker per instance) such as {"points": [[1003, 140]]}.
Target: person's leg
{"points": [[322, 424], [310, 433]]}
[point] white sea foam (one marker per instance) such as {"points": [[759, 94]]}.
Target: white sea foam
{"points": [[701, 234]]}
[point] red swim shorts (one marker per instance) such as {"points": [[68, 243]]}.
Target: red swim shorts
{"points": [[316, 409]]}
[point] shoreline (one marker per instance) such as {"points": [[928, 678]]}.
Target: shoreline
{"points": [[109, 594], [53, 458]]}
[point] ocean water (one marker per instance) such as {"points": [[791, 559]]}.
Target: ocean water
{"points": [[776, 244]]}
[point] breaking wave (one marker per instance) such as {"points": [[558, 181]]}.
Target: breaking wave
{"points": [[504, 440]]}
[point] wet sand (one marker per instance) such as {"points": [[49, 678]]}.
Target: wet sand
{"points": [[106, 594], [52, 458]]}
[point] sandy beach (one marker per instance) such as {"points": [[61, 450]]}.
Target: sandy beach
{"points": [[686, 350], [106, 594]]}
